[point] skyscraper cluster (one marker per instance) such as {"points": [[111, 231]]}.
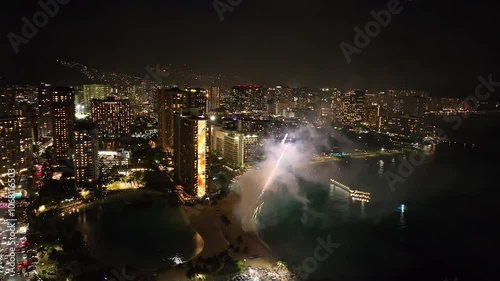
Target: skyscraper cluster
{"points": [[191, 122]]}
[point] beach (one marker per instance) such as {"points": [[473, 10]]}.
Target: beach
{"points": [[217, 236]]}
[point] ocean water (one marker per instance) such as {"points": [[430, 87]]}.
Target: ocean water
{"points": [[448, 228], [136, 230]]}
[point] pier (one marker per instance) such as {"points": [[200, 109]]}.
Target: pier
{"points": [[355, 195]]}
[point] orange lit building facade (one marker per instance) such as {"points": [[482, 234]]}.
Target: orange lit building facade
{"points": [[191, 151]]}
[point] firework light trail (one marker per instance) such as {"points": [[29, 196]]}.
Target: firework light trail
{"points": [[275, 166], [269, 180]]}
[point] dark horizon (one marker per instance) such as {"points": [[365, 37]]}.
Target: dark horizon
{"points": [[441, 47]]}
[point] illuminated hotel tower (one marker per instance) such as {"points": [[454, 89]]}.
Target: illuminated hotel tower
{"points": [[85, 157], [214, 98], [95, 91], [63, 121], [111, 117], [191, 151], [15, 145], [170, 101], [45, 120], [197, 98]]}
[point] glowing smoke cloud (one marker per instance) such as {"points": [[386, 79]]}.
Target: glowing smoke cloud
{"points": [[269, 180], [275, 167], [279, 157], [256, 182]]}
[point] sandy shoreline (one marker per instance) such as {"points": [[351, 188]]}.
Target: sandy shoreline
{"points": [[212, 235], [217, 236]]}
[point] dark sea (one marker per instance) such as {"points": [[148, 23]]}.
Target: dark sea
{"points": [[135, 229], [447, 229]]}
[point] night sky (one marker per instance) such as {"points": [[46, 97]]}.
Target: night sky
{"points": [[440, 46]]}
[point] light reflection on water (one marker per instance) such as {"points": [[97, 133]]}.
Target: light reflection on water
{"points": [[381, 167], [121, 234]]}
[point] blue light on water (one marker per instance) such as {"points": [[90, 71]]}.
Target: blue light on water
{"points": [[401, 208]]}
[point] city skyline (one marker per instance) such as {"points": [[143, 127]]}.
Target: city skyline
{"points": [[237, 140], [302, 49]]}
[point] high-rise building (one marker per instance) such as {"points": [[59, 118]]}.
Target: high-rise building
{"points": [[404, 124], [359, 105], [246, 98], [372, 116], [197, 98], [111, 117], [191, 151], [7, 103], [44, 115], [217, 135], [95, 91], [15, 144], [257, 127], [85, 157], [21, 94], [327, 112], [240, 149], [170, 102], [345, 112], [214, 98], [29, 111], [281, 108], [79, 95], [63, 121], [404, 102]]}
